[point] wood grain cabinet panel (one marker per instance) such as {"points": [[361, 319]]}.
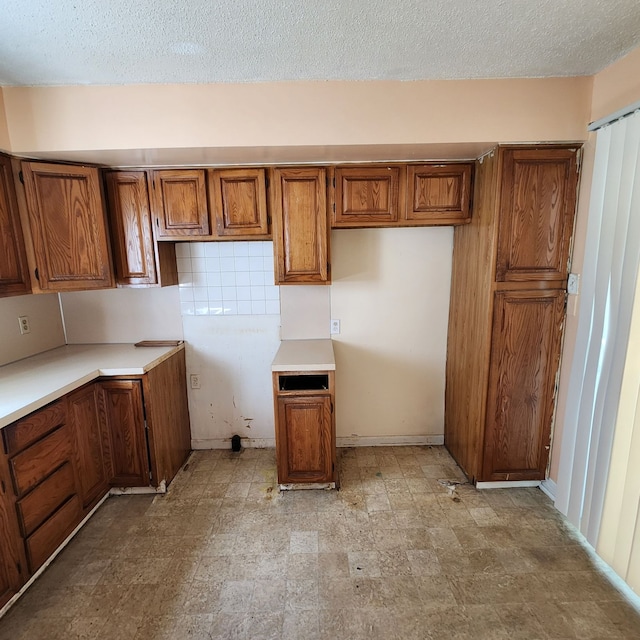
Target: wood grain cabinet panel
{"points": [[367, 196], [300, 234], [122, 414], [525, 354], [438, 194], [239, 203], [12, 557], [304, 439], [537, 210], [14, 271], [138, 259], [68, 227], [180, 203], [92, 446], [507, 312]]}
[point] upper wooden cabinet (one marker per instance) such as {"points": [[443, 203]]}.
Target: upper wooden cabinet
{"points": [[239, 203], [401, 195], [438, 194], [537, 206], [300, 234], [179, 202], [138, 259], [366, 196], [14, 272], [68, 227]]}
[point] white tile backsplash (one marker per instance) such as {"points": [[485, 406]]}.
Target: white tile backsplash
{"points": [[227, 278]]}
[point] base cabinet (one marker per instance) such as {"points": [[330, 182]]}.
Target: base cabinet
{"points": [[305, 427], [122, 414], [93, 456], [12, 560]]}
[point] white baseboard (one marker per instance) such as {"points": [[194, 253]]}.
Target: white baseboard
{"points": [[388, 441], [225, 443], [507, 484], [346, 441], [549, 487]]}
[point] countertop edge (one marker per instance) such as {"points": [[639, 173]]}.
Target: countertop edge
{"points": [[85, 378]]}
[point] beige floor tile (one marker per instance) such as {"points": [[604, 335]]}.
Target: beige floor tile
{"points": [[393, 555]]}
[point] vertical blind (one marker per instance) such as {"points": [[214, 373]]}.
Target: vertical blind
{"points": [[608, 289]]}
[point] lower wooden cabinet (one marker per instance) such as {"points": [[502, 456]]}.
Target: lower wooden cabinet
{"points": [[305, 427], [93, 455], [12, 559], [123, 417], [525, 356]]}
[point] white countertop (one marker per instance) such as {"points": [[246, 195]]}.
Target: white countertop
{"points": [[304, 355], [31, 383]]}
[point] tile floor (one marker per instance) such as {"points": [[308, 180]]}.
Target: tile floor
{"points": [[394, 554]]}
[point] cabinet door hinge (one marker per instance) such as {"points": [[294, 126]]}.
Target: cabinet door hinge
{"points": [[21, 177], [19, 567], [4, 489], [334, 182], [266, 181], [334, 207], [36, 273]]}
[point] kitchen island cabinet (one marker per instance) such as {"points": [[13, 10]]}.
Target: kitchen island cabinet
{"points": [[304, 395]]}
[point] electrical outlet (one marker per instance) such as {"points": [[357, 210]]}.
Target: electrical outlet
{"points": [[335, 327], [195, 380], [25, 327], [573, 284]]}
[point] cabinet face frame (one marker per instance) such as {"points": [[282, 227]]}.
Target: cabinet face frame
{"points": [[179, 202], [239, 203], [68, 226], [300, 228], [14, 270], [367, 196]]}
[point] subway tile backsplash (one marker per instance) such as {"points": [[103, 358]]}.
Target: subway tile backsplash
{"points": [[227, 278]]}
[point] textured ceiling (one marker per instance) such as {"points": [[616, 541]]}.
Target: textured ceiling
{"points": [[59, 42]]}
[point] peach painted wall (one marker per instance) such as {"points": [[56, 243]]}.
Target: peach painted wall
{"points": [[4, 131], [295, 114], [616, 86]]}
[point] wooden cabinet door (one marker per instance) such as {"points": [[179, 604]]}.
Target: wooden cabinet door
{"points": [[180, 203], [367, 196], [139, 260], [92, 444], [305, 439], [537, 210], [68, 227], [300, 237], [239, 202], [525, 355], [14, 272], [12, 558], [123, 417], [438, 194]]}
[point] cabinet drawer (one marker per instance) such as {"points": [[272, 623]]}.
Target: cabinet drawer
{"points": [[38, 461], [46, 539], [30, 429], [36, 507]]}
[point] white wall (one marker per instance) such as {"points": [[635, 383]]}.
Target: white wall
{"points": [[391, 293], [122, 315], [45, 321]]}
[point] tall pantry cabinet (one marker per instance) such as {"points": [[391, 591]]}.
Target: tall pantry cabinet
{"points": [[508, 301]]}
